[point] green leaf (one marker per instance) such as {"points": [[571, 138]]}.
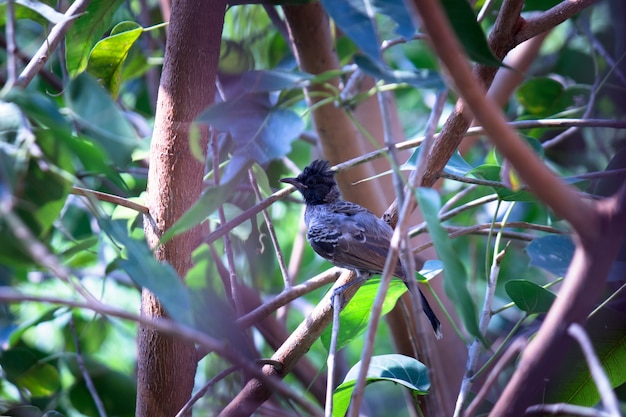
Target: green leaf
{"points": [[395, 368], [235, 57], [116, 390], [48, 315], [260, 132], [231, 211], [543, 97], [44, 10], [355, 317], [24, 369], [529, 297], [572, 383], [41, 188], [455, 276], [86, 31], [210, 200], [468, 31], [492, 173], [553, 253], [160, 278], [101, 118], [418, 79], [108, 56]]}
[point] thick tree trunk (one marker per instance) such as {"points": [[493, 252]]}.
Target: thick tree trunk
{"points": [[166, 367]]}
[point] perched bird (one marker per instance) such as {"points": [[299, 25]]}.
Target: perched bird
{"points": [[346, 234]]}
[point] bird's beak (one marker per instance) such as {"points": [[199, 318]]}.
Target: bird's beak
{"points": [[294, 182]]}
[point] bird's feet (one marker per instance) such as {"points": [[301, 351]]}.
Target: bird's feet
{"points": [[338, 294]]}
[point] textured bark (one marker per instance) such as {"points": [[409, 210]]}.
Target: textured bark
{"points": [[166, 367], [309, 32]]}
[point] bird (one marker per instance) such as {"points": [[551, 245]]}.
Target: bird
{"points": [[344, 233]]}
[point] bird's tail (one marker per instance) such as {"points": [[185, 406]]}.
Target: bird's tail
{"points": [[432, 317]]}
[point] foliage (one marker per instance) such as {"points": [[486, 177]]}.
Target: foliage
{"points": [[85, 123]]}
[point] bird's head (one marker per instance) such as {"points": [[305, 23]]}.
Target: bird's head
{"points": [[316, 183]]}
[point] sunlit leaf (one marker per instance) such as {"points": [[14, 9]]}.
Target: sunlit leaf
{"points": [[355, 317], [86, 31], [399, 369], [109, 54]]}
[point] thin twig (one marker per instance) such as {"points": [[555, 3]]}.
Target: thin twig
{"points": [[50, 44], [110, 198], [171, 328], [37, 250], [609, 400], [202, 391], [517, 346], [332, 353], [83, 370], [408, 144], [228, 247], [485, 315], [271, 231], [287, 295], [563, 409], [11, 46]]}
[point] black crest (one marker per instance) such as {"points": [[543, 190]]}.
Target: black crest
{"points": [[316, 183]]}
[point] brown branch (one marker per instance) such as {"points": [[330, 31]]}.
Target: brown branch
{"points": [[551, 190], [171, 328], [582, 286], [600, 227], [551, 18], [166, 367], [110, 198]]}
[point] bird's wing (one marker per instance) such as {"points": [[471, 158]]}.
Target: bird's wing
{"points": [[352, 237]]}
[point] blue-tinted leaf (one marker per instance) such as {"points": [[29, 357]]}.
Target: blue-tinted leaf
{"points": [[396, 10], [101, 118], [529, 297], [431, 269], [259, 132], [553, 253], [353, 19], [44, 10], [423, 79], [455, 276], [274, 80], [456, 165]]}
